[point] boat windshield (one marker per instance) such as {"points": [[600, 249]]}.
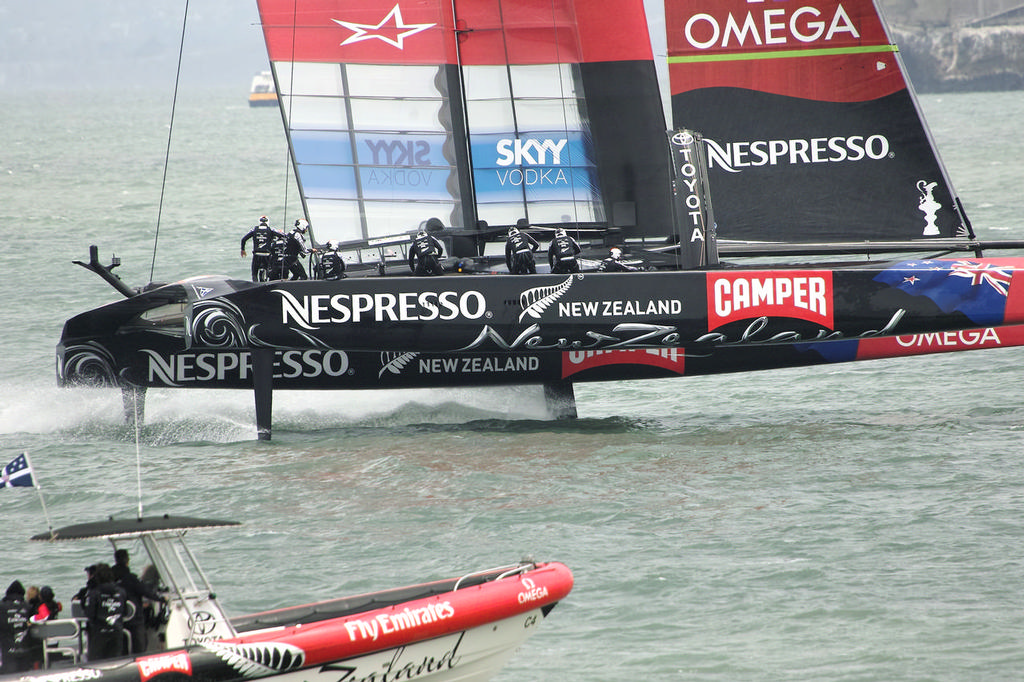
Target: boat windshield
{"points": [[168, 315]]}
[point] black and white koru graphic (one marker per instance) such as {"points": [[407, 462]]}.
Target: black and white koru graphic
{"points": [[217, 324]]}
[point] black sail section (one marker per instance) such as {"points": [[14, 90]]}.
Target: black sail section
{"points": [[796, 179], [626, 120]]}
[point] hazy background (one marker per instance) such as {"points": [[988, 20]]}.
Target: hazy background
{"points": [[99, 44]]}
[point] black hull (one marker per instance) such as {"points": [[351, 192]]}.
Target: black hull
{"points": [[487, 330]]}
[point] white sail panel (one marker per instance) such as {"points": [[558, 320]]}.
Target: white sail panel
{"points": [[369, 144]]}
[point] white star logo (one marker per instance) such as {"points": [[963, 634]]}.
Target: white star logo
{"points": [[391, 30]]}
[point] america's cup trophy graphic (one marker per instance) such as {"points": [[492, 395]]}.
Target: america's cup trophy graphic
{"points": [[927, 205]]}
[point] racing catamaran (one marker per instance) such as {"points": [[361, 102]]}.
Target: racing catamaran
{"points": [[616, 122]]}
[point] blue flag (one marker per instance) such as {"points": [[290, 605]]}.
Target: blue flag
{"points": [[978, 290], [17, 474]]}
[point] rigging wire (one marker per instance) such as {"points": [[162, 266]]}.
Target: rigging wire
{"points": [[170, 131], [291, 100]]}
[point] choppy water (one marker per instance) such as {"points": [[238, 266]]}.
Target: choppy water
{"points": [[858, 522]]}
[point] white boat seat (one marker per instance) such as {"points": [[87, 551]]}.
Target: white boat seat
{"points": [[61, 637]]}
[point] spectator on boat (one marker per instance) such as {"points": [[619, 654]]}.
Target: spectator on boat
{"points": [[519, 248], [32, 597], [562, 253], [425, 255], [153, 617], [295, 246], [15, 642], [137, 593], [331, 262], [46, 607], [613, 263], [90, 582], [106, 605], [262, 237]]}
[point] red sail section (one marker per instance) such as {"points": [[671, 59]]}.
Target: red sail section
{"points": [[386, 32], [819, 49], [369, 32]]}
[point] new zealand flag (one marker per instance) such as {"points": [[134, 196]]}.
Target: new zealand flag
{"points": [[978, 290]]}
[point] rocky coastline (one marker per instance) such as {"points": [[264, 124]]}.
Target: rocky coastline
{"points": [[962, 59]]}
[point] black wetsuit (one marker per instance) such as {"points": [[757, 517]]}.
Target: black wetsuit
{"points": [[562, 255], [519, 250], [333, 265], [425, 255], [262, 237]]}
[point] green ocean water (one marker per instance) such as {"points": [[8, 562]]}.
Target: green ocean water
{"points": [[854, 522]]}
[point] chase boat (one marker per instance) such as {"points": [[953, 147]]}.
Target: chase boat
{"points": [[463, 628]]}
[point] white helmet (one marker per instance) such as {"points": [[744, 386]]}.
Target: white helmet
{"points": [[616, 252], [301, 225]]}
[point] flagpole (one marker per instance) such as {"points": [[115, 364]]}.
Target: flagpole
{"points": [[39, 490]]}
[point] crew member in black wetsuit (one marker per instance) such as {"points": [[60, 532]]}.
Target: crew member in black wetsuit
{"points": [[331, 262], [277, 267], [519, 248], [262, 237], [613, 263], [562, 253], [295, 246], [425, 255]]}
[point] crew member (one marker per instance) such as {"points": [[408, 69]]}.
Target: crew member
{"points": [[562, 253], [15, 644], [277, 267], [613, 263], [262, 237], [425, 254], [295, 246], [331, 262], [519, 248], [137, 592], [106, 605]]}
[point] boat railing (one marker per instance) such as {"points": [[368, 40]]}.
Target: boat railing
{"points": [[502, 571]]}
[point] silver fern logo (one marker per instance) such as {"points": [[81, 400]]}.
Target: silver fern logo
{"points": [[259, 659], [535, 301], [394, 362]]}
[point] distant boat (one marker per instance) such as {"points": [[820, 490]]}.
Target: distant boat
{"points": [[262, 93]]}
